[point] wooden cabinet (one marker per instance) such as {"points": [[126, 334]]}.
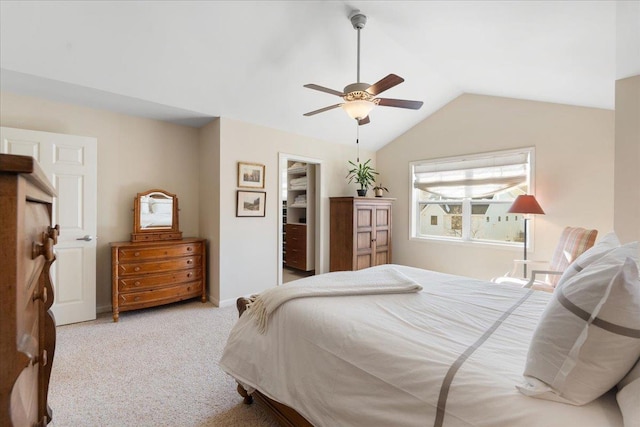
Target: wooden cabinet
{"points": [[299, 231], [147, 274], [27, 327], [360, 232]]}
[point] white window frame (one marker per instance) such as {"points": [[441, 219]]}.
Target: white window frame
{"points": [[414, 208]]}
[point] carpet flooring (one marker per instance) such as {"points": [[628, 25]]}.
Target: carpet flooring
{"points": [[155, 367]]}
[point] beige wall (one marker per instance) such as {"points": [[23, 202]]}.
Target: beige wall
{"points": [[248, 247], [574, 179], [199, 166], [627, 159], [134, 155], [574, 173]]}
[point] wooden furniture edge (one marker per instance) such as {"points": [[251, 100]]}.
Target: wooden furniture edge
{"points": [[285, 415]]}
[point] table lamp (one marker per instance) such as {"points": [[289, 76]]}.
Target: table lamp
{"points": [[528, 205]]}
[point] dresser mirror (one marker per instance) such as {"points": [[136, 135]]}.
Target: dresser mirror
{"points": [[155, 216]]}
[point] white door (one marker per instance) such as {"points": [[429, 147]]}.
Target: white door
{"points": [[70, 163]]}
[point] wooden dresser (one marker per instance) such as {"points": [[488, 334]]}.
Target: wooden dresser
{"points": [[27, 327], [147, 274], [360, 232]]}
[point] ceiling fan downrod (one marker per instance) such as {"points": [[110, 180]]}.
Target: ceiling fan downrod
{"points": [[358, 20]]}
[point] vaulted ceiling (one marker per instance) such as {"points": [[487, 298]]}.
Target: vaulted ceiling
{"points": [[190, 61]]}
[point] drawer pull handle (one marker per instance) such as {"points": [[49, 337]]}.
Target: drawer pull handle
{"points": [[41, 359], [54, 232], [45, 248], [40, 295]]}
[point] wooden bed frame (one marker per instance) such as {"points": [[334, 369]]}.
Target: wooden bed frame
{"points": [[285, 415]]}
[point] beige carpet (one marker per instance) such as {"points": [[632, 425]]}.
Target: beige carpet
{"points": [[155, 367]]}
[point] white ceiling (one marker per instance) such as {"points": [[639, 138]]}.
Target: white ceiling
{"points": [[189, 61]]}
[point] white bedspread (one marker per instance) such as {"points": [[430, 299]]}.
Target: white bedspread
{"points": [[384, 280], [380, 360]]}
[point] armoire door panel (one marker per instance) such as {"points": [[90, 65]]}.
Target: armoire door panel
{"points": [[382, 238], [365, 217], [364, 261], [382, 217], [364, 240]]}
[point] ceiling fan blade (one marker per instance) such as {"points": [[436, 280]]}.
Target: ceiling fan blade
{"points": [[364, 121], [322, 110], [400, 103], [324, 89], [386, 83]]}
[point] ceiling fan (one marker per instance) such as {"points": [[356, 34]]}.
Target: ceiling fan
{"points": [[360, 98]]}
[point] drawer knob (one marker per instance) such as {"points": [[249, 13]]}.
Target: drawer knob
{"points": [[189, 274], [189, 248], [136, 254], [136, 283], [137, 298], [136, 269], [40, 295], [189, 261]]}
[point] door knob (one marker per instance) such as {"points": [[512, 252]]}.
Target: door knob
{"points": [[86, 238]]}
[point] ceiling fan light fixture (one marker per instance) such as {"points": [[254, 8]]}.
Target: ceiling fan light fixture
{"points": [[358, 109]]}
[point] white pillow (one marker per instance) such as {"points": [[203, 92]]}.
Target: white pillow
{"points": [[633, 374], [629, 402], [609, 242], [162, 206], [588, 337]]}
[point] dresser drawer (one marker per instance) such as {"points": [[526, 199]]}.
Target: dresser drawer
{"points": [[127, 269], [171, 251], [296, 258], [296, 236], [36, 218], [157, 280], [134, 300]]}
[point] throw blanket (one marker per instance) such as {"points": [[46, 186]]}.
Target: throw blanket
{"points": [[364, 282]]}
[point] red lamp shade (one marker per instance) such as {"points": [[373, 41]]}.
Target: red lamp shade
{"points": [[526, 204]]}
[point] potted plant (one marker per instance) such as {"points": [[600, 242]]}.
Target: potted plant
{"points": [[379, 189], [362, 174]]}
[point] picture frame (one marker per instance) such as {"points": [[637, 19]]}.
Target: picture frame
{"points": [[251, 203], [250, 175]]}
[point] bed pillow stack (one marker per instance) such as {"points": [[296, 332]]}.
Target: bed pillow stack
{"points": [[588, 337]]}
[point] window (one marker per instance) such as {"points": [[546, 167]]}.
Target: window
{"points": [[469, 196]]}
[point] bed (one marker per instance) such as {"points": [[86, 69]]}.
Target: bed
{"points": [[449, 355]]}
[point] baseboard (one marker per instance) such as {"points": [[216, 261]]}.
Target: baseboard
{"points": [[103, 309]]}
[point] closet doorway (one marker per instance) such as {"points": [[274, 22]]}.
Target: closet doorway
{"points": [[299, 217]]}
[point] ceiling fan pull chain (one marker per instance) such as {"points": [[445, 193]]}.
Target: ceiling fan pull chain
{"points": [[358, 141]]}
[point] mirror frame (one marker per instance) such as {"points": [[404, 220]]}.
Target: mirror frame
{"points": [[141, 234]]}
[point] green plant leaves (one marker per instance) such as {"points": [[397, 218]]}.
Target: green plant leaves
{"points": [[362, 174]]}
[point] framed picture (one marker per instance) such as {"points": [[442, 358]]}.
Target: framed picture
{"points": [[250, 175], [251, 203]]}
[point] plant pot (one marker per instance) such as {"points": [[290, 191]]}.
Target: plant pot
{"points": [[362, 193], [378, 192]]}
